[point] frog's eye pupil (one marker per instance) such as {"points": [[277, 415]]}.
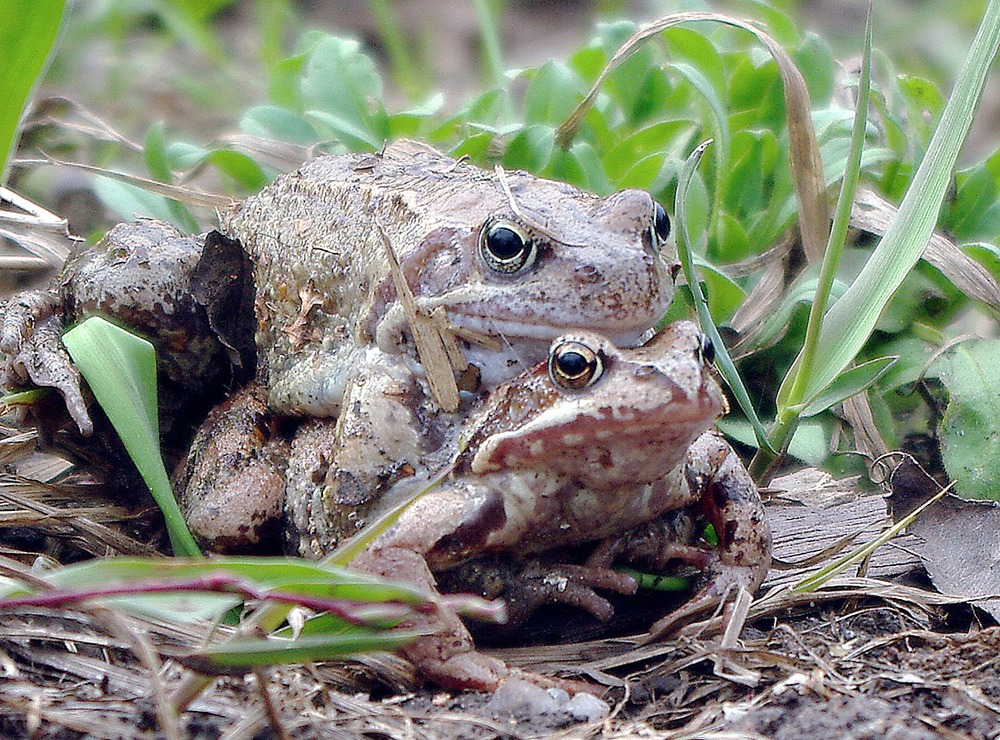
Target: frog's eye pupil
{"points": [[505, 243], [661, 223], [506, 249], [574, 365], [706, 350]]}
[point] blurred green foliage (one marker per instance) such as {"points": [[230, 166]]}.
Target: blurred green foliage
{"points": [[324, 92]]}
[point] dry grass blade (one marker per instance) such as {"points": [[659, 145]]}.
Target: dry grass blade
{"points": [[431, 338], [43, 234], [803, 151], [178, 193], [23, 504], [868, 439], [873, 213]]}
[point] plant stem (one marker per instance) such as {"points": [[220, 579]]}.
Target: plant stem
{"points": [[790, 406]]}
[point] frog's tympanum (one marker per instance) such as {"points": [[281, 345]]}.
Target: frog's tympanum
{"points": [[596, 445], [497, 264]]}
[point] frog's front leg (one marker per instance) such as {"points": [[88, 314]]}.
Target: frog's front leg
{"points": [[446, 655], [722, 493], [729, 500], [387, 430]]}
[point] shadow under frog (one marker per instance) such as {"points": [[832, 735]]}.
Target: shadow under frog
{"points": [[500, 262]]}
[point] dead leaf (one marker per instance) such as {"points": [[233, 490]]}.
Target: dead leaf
{"points": [[958, 540]]}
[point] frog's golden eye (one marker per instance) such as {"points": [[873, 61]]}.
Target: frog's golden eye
{"points": [[574, 365], [506, 248], [661, 227]]}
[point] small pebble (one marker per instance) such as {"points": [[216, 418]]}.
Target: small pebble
{"points": [[561, 696], [518, 697], [586, 707]]}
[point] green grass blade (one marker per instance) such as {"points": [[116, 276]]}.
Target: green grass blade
{"points": [[120, 369], [270, 651], [850, 321], [488, 13], [28, 31], [684, 253]]}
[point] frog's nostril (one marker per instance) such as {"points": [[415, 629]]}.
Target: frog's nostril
{"points": [[588, 273]]}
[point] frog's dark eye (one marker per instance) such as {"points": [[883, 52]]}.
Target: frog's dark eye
{"points": [[574, 365], [661, 226], [706, 350], [506, 248]]}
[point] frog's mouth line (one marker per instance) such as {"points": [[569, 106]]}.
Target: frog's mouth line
{"points": [[514, 329]]}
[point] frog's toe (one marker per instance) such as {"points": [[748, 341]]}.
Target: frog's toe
{"points": [[539, 584]]}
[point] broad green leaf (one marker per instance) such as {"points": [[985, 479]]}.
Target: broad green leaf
{"points": [[28, 31], [129, 201], [154, 151], [697, 51], [273, 122], [848, 383], [552, 93], [244, 170], [970, 427], [531, 149], [120, 369], [343, 129], [342, 88]]}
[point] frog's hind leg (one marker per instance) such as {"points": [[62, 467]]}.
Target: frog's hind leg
{"points": [[231, 486], [446, 654]]}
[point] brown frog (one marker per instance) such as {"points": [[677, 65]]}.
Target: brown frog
{"points": [[498, 263], [595, 445]]}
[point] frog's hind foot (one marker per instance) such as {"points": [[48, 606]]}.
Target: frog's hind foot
{"points": [[34, 353]]}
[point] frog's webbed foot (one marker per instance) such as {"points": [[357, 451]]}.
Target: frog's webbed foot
{"points": [[525, 586], [232, 484], [447, 656], [33, 352]]}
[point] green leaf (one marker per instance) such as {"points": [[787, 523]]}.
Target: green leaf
{"points": [[272, 122], [684, 252], [531, 149], [268, 651], [154, 151], [848, 383], [552, 94], [28, 30], [120, 369], [130, 201], [240, 167], [970, 427], [342, 88]]}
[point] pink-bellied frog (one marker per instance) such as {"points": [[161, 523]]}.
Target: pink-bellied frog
{"points": [[594, 445]]}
